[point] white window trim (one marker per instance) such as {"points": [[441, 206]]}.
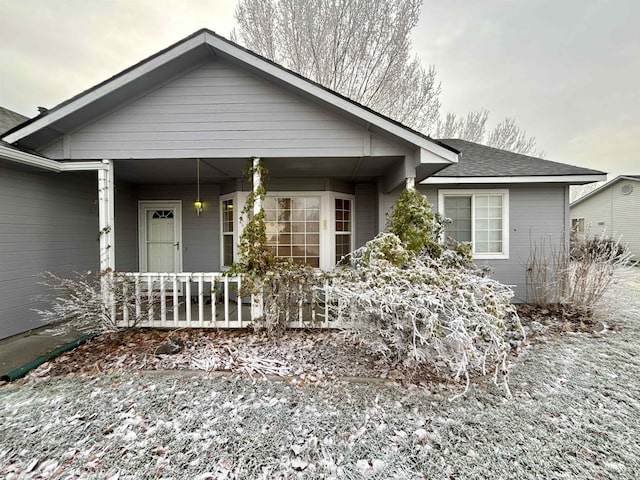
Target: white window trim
{"points": [[332, 241], [576, 222], [505, 218], [224, 198], [327, 221]]}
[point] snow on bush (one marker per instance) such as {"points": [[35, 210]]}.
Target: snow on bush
{"points": [[421, 311], [576, 279], [420, 302], [95, 304]]}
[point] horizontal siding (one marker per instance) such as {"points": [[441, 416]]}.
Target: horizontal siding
{"points": [[365, 213], [536, 217], [221, 111], [126, 230], [596, 211], [613, 213], [200, 235], [48, 222], [626, 216]]}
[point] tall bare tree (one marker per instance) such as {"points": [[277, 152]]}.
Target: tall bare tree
{"points": [[359, 48], [506, 135]]}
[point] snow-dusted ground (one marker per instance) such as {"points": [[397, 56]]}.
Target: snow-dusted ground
{"points": [[575, 414]]}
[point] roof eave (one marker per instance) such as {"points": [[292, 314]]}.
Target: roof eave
{"points": [[569, 179], [226, 47]]}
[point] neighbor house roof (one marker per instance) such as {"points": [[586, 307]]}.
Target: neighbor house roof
{"points": [[618, 179], [482, 164], [10, 119], [201, 45]]}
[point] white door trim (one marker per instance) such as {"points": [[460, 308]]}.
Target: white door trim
{"points": [[143, 207]]}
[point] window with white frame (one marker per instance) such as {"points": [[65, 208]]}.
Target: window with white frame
{"points": [[480, 217], [311, 228], [577, 225], [293, 228], [343, 228], [228, 242]]}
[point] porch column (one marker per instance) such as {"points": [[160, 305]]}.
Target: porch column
{"points": [[256, 183], [106, 200], [410, 183], [257, 300]]}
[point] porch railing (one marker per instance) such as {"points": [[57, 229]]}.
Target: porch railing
{"points": [[206, 300]]}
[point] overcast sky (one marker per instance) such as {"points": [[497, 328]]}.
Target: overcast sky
{"points": [[568, 71]]}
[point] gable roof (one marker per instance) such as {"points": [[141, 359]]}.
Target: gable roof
{"points": [[483, 164], [10, 119], [193, 50], [618, 179]]}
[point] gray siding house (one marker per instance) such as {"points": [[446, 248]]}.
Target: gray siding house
{"points": [[143, 173], [612, 210]]}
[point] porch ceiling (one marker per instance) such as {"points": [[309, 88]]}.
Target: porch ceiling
{"points": [[219, 170]]}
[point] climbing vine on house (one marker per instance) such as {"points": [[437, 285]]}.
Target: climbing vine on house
{"points": [[283, 288]]}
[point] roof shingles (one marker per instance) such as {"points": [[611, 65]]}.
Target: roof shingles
{"points": [[10, 119], [477, 160]]}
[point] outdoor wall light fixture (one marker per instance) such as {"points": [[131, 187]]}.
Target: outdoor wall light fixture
{"points": [[198, 203]]}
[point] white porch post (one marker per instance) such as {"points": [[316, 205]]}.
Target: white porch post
{"points": [[410, 183], [257, 299], [106, 197], [257, 201], [106, 218]]}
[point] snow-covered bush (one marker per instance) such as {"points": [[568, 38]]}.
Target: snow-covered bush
{"points": [[95, 303], [409, 297], [278, 285], [577, 279]]}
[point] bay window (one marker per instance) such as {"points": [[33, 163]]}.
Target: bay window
{"points": [[311, 228], [480, 217]]}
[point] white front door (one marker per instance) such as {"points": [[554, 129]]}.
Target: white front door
{"points": [[160, 236]]}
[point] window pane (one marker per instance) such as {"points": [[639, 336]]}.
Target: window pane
{"points": [[343, 246], [227, 250], [227, 216], [342, 225], [458, 209], [288, 224], [488, 223]]}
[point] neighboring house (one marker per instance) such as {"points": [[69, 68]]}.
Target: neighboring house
{"points": [[10, 119], [129, 157], [612, 209]]}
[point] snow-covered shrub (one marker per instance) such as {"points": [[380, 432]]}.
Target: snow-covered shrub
{"points": [[95, 303], [408, 296], [413, 221], [576, 280], [279, 285], [423, 310]]}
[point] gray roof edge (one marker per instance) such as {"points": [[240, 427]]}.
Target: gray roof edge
{"points": [[460, 143]]}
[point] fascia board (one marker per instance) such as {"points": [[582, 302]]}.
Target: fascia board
{"points": [[105, 89], [521, 179], [25, 158]]}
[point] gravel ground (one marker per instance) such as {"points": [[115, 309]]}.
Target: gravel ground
{"points": [[575, 414]]}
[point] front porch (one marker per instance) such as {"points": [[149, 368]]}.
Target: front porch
{"points": [[176, 253], [207, 300]]}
